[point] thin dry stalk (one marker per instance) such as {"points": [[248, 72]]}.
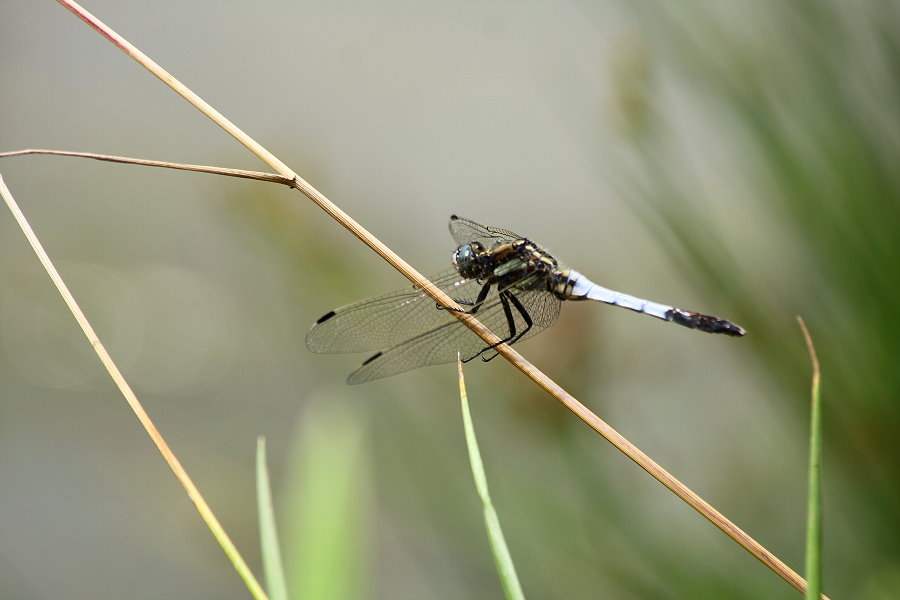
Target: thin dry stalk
{"points": [[259, 175]]}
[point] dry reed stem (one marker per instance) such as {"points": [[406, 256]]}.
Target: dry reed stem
{"points": [[270, 177]]}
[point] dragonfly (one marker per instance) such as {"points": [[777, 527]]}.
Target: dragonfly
{"points": [[506, 281]]}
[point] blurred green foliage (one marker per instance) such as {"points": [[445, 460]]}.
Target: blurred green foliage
{"points": [[808, 97]]}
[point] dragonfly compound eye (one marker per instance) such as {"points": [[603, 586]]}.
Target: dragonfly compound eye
{"points": [[465, 258]]}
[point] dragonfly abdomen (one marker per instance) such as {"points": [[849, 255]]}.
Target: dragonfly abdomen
{"points": [[572, 285]]}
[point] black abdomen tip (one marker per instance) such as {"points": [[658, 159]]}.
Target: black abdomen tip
{"points": [[706, 323]]}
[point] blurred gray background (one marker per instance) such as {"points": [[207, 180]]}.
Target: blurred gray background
{"points": [[726, 157]]}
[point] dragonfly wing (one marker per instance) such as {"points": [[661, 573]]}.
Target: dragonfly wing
{"points": [[442, 343], [465, 230], [430, 348], [387, 320], [379, 322]]}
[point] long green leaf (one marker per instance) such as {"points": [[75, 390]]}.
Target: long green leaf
{"points": [[814, 492], [502, 558]]}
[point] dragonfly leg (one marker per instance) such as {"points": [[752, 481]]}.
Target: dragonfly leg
{"points": [[510, 323], [505, 299], [525, 316], [513, 337], [486, 288], [440, 306]]}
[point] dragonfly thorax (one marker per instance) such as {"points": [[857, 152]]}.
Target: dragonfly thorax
{"points": [[520, 263]]}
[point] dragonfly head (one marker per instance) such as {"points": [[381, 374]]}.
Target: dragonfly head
{"points": [[465, 259]]}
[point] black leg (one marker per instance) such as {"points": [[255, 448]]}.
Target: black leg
{"points": [[505, 298], [513, 338], [486, 288], [525, 316], [510, 324]]}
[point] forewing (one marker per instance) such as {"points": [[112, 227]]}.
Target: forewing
{"points": [[384, 321], [465, 230]]}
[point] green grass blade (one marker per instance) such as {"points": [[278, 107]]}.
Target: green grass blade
{"points": [[502, 559], [268, 533], [814, 492]]}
